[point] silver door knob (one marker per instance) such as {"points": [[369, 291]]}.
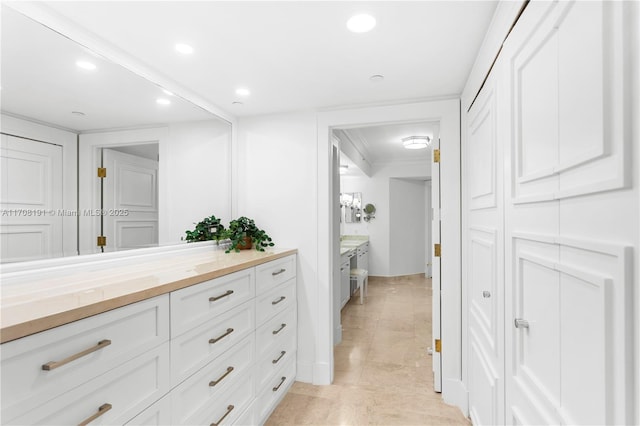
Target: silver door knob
{"points": [[520, 323], [486, 294]]}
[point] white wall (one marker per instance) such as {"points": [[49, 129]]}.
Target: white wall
{"points": [[407, 219], [195, 170], [377, 190], [277, 188]]}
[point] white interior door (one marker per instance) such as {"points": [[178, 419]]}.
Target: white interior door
{"points": [[435, 281], [130, 201], [569, 213], [483, 259], [31, 200]]}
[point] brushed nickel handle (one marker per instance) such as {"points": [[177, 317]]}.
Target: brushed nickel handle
{"points": [[486, 294], [215, 382], [229, 409], [280, 329], [103, 409], [214, 298], [279, 384], [215, 339], [275, 361], [275, 302], [520, 323], [279, 272], [55, 364]]}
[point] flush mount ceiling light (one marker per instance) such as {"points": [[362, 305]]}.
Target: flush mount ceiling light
{"points": [[163, 101], [242, 91], [376, 78], [416, 142], [86, 65], [185, 49], [361, 23]]}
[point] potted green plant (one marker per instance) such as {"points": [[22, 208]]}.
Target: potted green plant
{"points": [[209, 228], [244, 233]]}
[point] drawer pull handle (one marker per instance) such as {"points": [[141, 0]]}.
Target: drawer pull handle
{"points": [[229, 409], [279, 272], [227, 293], [215, 382], [280, 329], [275, 361], [103, 409], [215, 339], [275, 389], [55, 364], [275, 302]]}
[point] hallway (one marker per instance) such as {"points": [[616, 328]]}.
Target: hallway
{"points": [[382, 371]]}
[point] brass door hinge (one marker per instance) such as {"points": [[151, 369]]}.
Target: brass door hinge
{"points": [[102, 172], [436, 155], [438, 345], [436, 250], [102, 241]]}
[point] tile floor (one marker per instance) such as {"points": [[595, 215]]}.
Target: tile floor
{"points": [[382, 369]]}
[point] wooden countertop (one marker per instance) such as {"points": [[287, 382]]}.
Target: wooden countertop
{"points": [[47, 298]]}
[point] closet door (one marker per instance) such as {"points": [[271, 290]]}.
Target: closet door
{"points": [[483, 257], [569, 209], [30, 199]]}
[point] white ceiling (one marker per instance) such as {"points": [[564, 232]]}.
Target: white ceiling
{"points": [[296, 55], [291, 55]]}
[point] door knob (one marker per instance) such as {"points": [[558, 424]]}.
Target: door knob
{"points": [[520, 323], [486, 294]]}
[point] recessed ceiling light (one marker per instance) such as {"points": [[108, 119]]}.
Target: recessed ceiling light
{"points": [[243, 91], [416, 142], [377, 78], [184, 48], [85, 65], [237, 103], [361, 23], [80, 113], [166, 92], [163, 101]]}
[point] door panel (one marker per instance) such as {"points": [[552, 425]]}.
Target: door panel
{"points": [[31, 200], [568, 252], [435, 280], [483, 258], [130, 200]]}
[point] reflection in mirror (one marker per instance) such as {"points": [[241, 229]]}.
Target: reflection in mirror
{"points": [[351, 206], [67, 112]]}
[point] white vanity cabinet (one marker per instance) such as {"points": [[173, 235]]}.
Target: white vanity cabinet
{"points": [[108, 367], [363, 256], [345, 273], [219, 352]]}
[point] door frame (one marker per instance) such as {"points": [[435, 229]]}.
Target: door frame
{"points": [[447, 112]]}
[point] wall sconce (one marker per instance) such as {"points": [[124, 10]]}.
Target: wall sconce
{"points": [[369, 212]]}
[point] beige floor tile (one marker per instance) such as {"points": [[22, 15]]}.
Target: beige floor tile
{"points": [[383, 374]]}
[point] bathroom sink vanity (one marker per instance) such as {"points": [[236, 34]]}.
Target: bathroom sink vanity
{"points": [[354, 253]]}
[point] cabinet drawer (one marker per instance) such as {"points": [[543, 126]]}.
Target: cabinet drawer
{"points": [[196, 348], [205, 386], [124, 332], [248, 418], [275, 390], [159, 414], [274, 330], [274, 358], [112, 398], [228, 406], [275, 301], [195, 305], [275, 272]]}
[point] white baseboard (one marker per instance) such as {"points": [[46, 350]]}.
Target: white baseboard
{"points": [[454, 392], [304, 372]]}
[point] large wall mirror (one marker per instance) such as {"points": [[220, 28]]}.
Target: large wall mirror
{"points": [[96, 158]]}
